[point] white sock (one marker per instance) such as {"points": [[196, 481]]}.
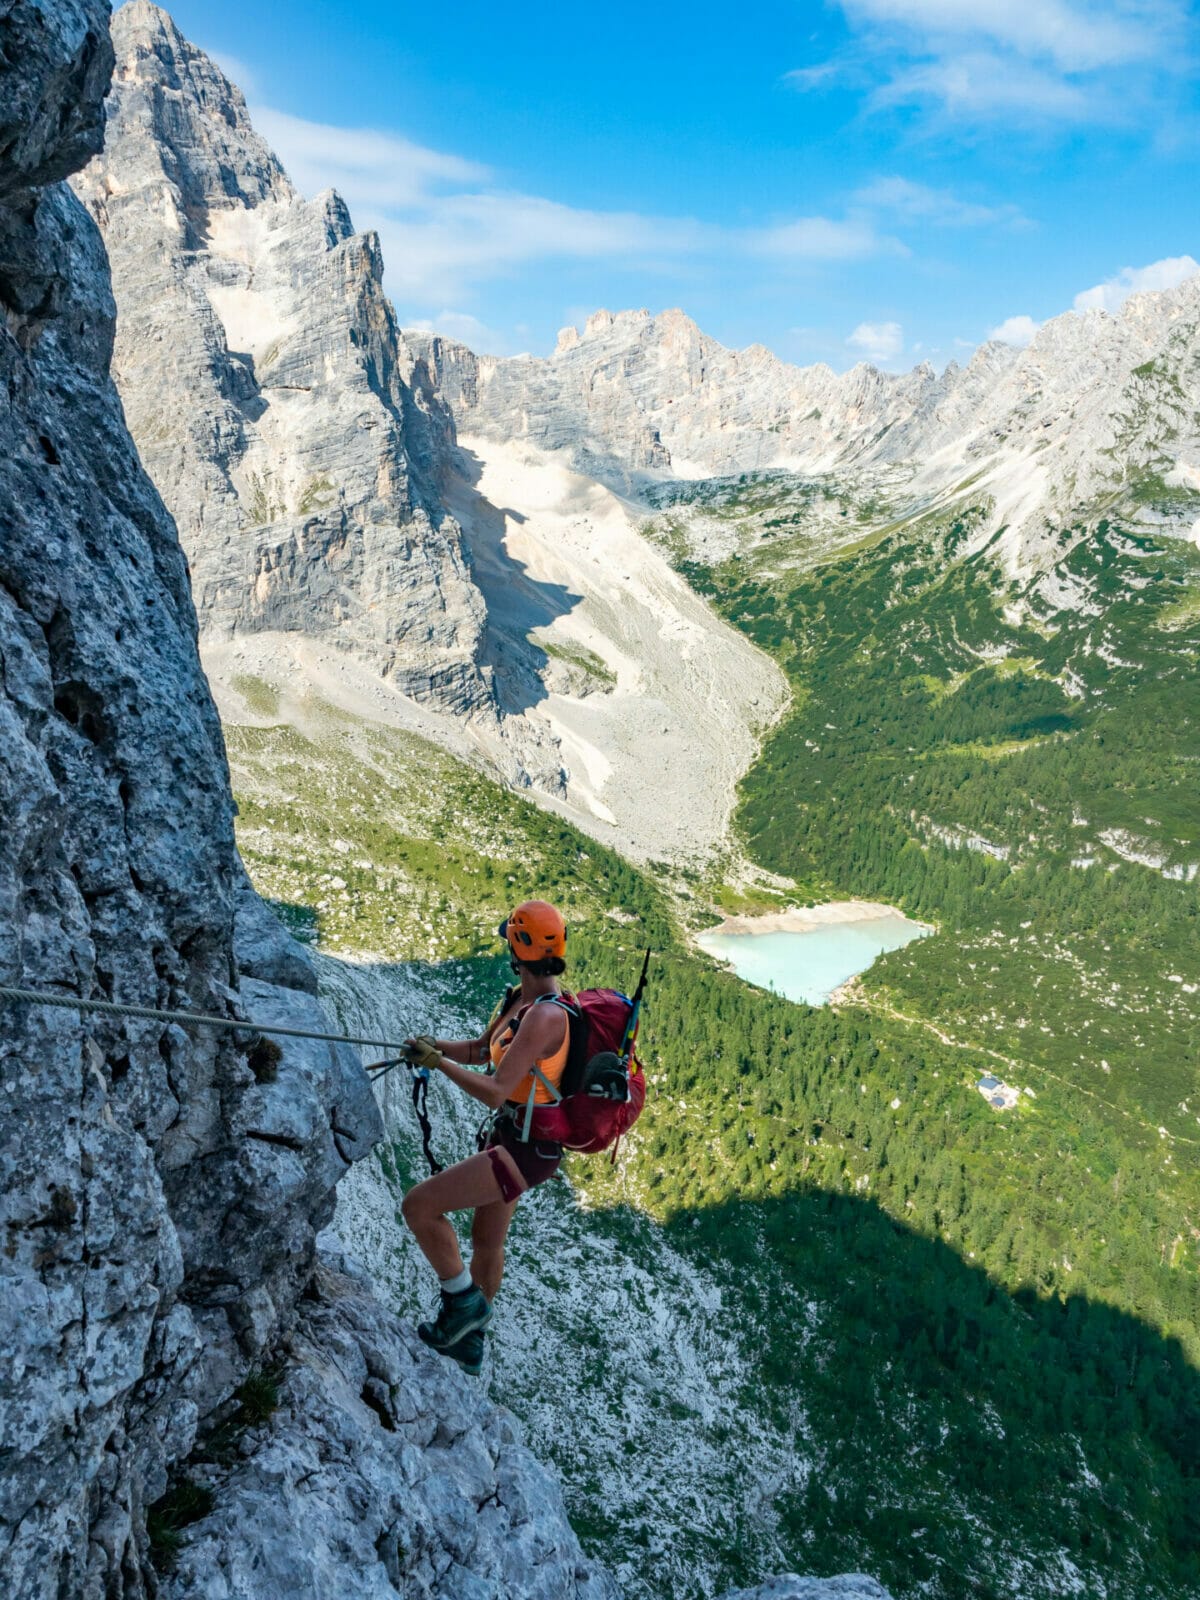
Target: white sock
{"points": [[457, 1284]]}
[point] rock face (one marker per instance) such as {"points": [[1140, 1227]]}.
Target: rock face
{"points": [[288, 426], [161, 1190], [382, 1473], [160, 1196], [1061, 430]]}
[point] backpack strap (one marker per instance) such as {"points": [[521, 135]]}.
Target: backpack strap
{"points": [[502, 1005], [564, 1003], [529, 1104]]}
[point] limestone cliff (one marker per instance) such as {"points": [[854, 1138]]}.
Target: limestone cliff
{"points": [[275, 403]]}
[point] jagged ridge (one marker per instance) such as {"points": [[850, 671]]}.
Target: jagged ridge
{"points": [[1095, 409]]}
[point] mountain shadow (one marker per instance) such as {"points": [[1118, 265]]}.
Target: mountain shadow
{"points": [[963, 1440], [517, 604]]}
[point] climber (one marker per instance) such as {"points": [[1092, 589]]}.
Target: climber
{"points": [[526, 1046]]}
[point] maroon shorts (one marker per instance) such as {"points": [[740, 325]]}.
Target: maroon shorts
{"points": [[535, 1161]]}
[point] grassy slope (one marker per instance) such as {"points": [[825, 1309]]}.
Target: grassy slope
{"points": [[381, 845], [996, 764], [996, 774]]}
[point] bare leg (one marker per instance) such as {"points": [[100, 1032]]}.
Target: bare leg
{"points": [[489, 1229], [467, 1186]]}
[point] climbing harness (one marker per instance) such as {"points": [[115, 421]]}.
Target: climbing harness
{"points": [[194, 1019]]}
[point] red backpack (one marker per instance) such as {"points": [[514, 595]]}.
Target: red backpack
{"points": [[603, 1087]]}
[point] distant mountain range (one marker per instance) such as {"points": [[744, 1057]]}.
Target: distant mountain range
{"points": [[1099, 411]]}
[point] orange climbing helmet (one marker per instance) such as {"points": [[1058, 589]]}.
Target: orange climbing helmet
{"points": [[534, 930]]}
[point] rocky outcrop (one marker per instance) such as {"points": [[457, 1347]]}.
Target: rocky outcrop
{"points": [[383, 1472], [287, 424]]}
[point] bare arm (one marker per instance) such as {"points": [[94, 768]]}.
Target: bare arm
{"points": [[467, 1051], [540, 1036]]}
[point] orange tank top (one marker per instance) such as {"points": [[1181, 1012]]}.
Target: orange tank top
{"points": [[551, 1067]]}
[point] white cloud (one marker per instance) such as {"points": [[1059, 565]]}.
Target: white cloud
{"points": [[822, 239], [451, 244], [1112, 295], [365, 167], [447, 226], [1039, 62], [466, 329], [917, 202], [236, 70], [1075, 37], [1018, 331], [981, 85], [824, 72], [877, 341]]}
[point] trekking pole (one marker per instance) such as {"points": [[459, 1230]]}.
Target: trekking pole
{"points": [[635, 1013]]}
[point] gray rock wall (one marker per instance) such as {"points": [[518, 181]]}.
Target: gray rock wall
{"points": [[159, 1193], [383, 1473], [638, 396]]}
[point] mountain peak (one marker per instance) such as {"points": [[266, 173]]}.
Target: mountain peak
{"points": [[291, 422], [195, 118], [149, 18]]}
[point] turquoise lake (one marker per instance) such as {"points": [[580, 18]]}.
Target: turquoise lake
{"points": [[808, 964]]}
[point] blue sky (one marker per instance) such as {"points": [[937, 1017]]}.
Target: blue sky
{"points": [[888, 179]]}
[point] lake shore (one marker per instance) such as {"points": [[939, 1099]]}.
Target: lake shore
{"points": [[805, 919]]}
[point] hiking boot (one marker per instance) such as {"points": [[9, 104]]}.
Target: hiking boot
{"points": [[468, 1352], [460, 1315]]}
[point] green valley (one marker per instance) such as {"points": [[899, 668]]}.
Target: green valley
{"points": [[1019, 772], [997, 1311]]}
